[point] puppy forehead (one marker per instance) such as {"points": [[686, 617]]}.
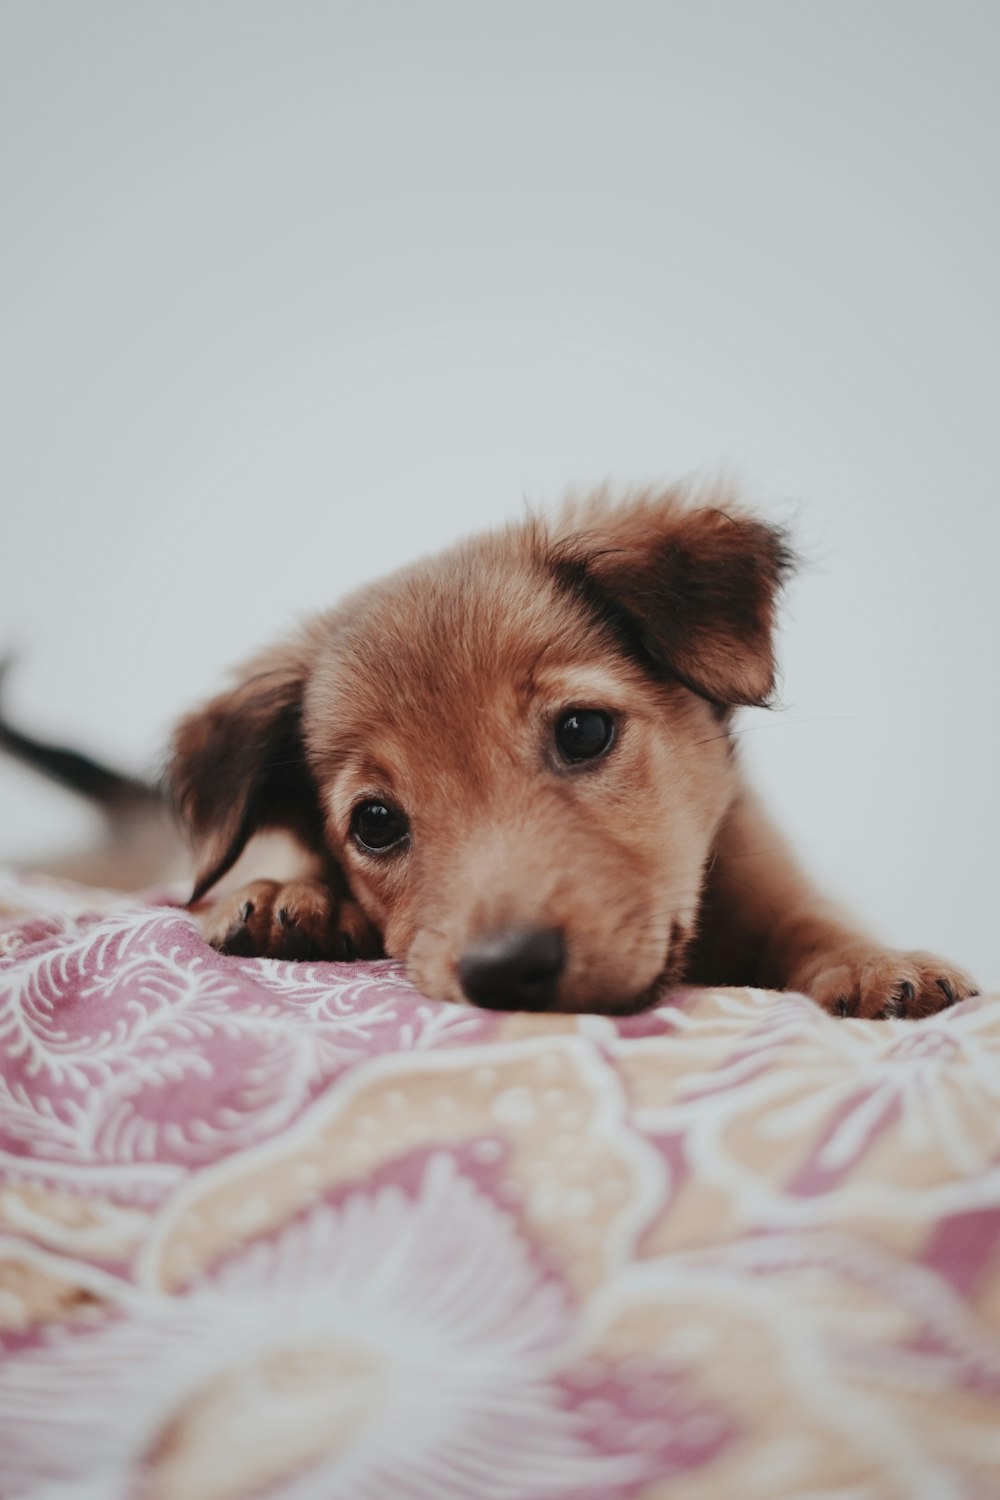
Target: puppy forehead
{"points": [[481, 632]]}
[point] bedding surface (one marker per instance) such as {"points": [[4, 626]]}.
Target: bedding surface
{"points": [[275, 1229]]}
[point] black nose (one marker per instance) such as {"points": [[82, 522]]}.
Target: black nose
{"points": [[514, 970]]}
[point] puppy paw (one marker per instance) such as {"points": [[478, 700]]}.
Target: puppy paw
{"points": [[300, 919], [881, 984]]}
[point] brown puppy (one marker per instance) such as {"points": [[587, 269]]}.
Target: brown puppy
{"points": [[511, 766]]}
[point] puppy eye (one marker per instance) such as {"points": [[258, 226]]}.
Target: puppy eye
{"points": [[584, 734], [376, 827]]}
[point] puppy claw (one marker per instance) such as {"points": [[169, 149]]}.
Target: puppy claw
{"points": [[899, 1005], [950, 998]]}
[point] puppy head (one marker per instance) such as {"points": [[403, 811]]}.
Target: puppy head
{"points": [[516, 752]]}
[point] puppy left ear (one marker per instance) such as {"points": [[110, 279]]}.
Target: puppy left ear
{"points": [[692, 590], [238, 765]]}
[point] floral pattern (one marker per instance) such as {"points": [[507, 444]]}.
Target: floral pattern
{"points": [[295, 1231]]}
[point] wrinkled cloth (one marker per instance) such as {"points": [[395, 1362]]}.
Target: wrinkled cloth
{"points": [[281, 1229]]}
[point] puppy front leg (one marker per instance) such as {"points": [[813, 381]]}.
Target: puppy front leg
{"points": [[767, 924], [300, 919], [282, 901]]}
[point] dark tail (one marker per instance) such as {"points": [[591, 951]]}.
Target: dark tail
{"points": [[109, 789]]}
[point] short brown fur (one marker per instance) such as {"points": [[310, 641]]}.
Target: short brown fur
{"points": [[436, 692]]}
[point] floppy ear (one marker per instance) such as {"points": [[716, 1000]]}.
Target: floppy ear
{"points": [[692, 590], [238, 765]]}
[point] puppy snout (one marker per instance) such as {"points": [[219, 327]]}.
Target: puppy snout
{"points": [[515, 970]]}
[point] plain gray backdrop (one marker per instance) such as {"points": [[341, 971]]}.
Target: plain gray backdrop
{"points": [[294, 292]]}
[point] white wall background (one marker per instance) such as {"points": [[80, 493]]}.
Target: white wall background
{"points": [[292, 292]]}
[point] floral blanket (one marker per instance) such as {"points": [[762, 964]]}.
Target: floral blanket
{"points": [[274, 1229]]}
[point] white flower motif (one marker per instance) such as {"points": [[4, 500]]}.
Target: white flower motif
{"points": [[832, 1088], [396, 1345], [942, 1076]]}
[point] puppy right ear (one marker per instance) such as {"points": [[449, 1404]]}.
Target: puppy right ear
{"points": [[238, 765], [690, 589]]}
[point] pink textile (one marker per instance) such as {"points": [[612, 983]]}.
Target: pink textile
{"points": [[275, 1229]]}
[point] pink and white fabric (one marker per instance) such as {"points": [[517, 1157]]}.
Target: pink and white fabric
{"points": [[284, 1230]]}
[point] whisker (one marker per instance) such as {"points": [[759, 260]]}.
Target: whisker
{"points": [[732, 734], [751, 853]]}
